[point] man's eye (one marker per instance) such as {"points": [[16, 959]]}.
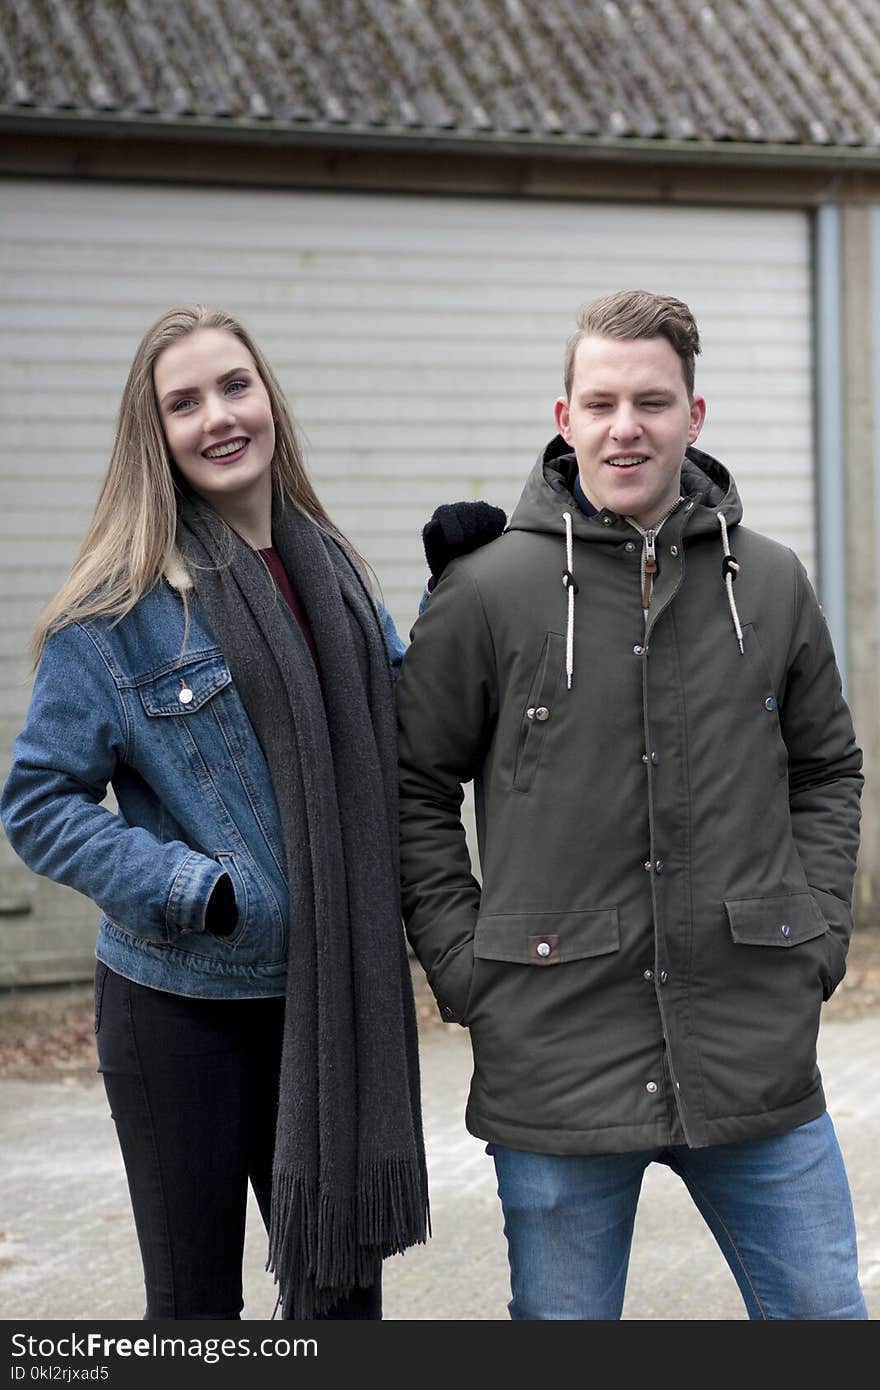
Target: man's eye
{"points": [[653, 405]]}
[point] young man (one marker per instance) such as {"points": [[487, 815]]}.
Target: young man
{"points": [[667, 798]]}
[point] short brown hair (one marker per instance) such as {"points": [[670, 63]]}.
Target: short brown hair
{"points": [[637, 314]]}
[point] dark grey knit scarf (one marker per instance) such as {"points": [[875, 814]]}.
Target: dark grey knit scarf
{"points": [[349, 1179]]}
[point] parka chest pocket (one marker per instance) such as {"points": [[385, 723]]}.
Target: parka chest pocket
{"points": [[184, 699], [539, 710], [763, 705]]}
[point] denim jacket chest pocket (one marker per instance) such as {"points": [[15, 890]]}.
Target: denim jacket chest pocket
{"points": [[184, 704]]}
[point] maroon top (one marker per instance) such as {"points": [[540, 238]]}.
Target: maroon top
{"points": [[279, 574]]}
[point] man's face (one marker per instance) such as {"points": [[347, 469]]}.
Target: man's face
{"points": [[629, 421]]}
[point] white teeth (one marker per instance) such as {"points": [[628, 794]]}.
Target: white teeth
{"points": [[221, 450], [627, 462]]}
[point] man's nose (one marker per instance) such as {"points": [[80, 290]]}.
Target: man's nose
{"points": [[626, 423]]}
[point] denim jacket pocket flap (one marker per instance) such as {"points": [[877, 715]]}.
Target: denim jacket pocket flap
{"points": [[547, 938], [184, 689], [784, 921]]}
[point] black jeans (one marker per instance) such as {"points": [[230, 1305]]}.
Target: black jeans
{"points": [[193, 1090]]}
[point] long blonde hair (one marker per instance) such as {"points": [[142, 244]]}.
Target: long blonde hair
{"points": [[131, 537]]}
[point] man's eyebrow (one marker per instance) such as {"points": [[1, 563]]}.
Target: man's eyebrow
{"points": [[607, 392]]}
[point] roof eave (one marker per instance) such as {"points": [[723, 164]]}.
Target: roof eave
{"points": [[113, 125]]}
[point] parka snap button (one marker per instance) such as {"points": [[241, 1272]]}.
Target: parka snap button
{"points": [[649, 974], [785, 929], [542, 712], [530, 713], [644, 757], [651, 1086], [543, 948], [770, 702], [658, 867], [606, 521], [638, 649], [185, 695], [654, 759], [648, 866], [673, 550], [630, 545], [663, 977]]}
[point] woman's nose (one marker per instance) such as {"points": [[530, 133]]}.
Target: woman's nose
{"points": [[218, 413]]}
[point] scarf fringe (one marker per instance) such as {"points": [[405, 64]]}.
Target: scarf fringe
{"points": [[321, 1246]]}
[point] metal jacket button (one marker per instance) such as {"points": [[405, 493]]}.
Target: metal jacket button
{"points": [[638, 649], [543, 948], [785, 929], [663, 977], [651, 1086], [649, 974], [770, 702], [185, 695], [542, 712], [658, 867]]}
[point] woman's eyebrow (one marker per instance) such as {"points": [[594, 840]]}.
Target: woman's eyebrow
{"points": [[193, 390]]}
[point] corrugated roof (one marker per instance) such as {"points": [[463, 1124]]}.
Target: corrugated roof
{"points": [[798, 73]]}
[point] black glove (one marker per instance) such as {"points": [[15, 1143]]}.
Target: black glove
{"points": [[458, 528]]}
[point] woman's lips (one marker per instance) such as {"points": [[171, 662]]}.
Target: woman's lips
{"points": [[229, 451]]}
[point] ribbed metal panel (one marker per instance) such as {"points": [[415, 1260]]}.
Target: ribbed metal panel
{"points": [[420, 343]]}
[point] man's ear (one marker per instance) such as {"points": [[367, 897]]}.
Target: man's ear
{"points": [[698, 416], [562, 416]]}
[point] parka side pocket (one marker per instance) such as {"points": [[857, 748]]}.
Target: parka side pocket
{"points": [[539, 710]]}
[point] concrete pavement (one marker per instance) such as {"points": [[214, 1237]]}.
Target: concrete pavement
{"points": [[68, 1249]]}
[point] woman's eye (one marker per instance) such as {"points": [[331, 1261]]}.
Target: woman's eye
{"points": [[182, 404], [236, 386]]}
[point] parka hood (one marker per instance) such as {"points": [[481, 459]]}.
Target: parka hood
{"points": [[708, 496], [548, 494]]}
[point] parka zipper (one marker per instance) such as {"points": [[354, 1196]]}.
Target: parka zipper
{"points": [[649, 568], [649, 555]]}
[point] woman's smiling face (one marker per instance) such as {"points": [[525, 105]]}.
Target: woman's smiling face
{"points": [[217, 417]]}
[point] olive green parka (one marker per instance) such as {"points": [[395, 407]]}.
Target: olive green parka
{"points": [[667, 806]]}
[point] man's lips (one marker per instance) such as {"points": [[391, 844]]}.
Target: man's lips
{"points": [[626, 460], [227, 450]]}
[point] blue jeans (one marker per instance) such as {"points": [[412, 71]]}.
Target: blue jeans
{"points": [[779, 1208]]}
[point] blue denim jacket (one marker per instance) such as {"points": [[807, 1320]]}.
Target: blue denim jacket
{"points": [[193, 790]]}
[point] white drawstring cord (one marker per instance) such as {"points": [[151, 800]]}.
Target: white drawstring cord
{"points": [[730, 569], [569, 584]]}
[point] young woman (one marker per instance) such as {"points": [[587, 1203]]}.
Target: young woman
{"points": [[215, 655]]}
